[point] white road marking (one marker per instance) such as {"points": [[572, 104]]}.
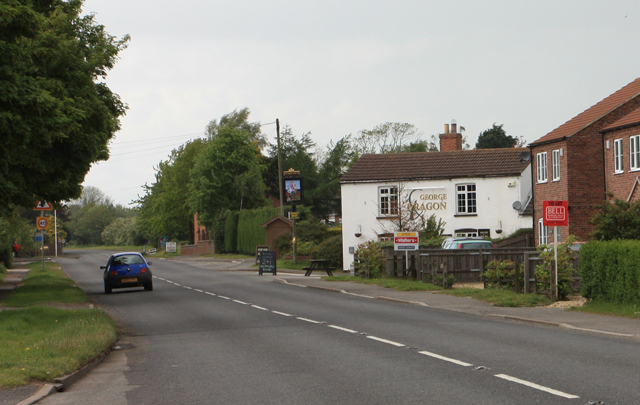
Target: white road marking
{"points": [[223, 297], [241, 302], [357, 295], [536, 386], [390, 342], [308, 320], [257, 307], [188, 288], [179, 285], [437, 356], [209, 293], [342, 329], [281, 313]]}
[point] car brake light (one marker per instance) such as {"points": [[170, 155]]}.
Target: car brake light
{"points": [[113, 273], [459, 245], [143, 270]]}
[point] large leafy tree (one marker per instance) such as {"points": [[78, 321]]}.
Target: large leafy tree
{"points": [[617, 220], [239, 120], [327, 196], [165, 209], [496, 137], [227, 175], [56, 116]]}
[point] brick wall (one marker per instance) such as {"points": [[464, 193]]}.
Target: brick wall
{"points": [[450, 142], [621, 184]]}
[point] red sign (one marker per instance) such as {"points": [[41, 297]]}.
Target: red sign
{"points": [[406, 241], [43, 205], [555, 213]]}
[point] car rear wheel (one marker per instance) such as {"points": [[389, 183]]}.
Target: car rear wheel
{"points": [[107, 289], [148, 286]]}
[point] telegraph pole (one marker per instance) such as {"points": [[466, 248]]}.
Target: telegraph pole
{"points": [[280, 169]]}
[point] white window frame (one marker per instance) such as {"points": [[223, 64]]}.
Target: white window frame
{"points": [[541, 167], [388, 201], [555, 165], [466, 199], [543, 233], [634, 152], [618, 156]]}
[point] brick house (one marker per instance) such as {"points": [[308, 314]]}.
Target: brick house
{"points": [[569, 162]]}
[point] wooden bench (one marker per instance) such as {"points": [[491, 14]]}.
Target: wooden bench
{"points": [[319, 265]]}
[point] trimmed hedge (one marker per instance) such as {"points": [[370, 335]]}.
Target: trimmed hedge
{"points": [[610, 271], [250, 230], [231, 231]]}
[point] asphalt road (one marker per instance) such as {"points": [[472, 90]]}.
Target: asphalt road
{"points": [[211, 337]]}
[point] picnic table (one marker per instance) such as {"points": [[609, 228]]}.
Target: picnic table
{"points": [[319, 264]]}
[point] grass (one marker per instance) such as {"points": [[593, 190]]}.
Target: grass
{"points": [[229, 256], [501, 297], [45, 286], [288, 264], [39, 342], [396, 284], [608, 308]]}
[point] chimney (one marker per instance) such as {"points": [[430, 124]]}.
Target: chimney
{"points": [[450, 141]]}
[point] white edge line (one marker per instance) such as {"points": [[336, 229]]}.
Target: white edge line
{"points": [[281, 313], [357, 295], [454, 361], [536, 386], [390, 342], [209, 293], [342, 329], [241, 302], [308, 320], [257, 307]]}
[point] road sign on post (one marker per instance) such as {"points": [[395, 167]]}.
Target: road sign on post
{"points": [[42, 223], [43, 205]]}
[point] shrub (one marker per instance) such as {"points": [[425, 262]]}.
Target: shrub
{"points": [[312, 230], [369, 252], [565, 269], [498, 271], [331, 250]]}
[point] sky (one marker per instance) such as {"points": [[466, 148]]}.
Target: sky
{"points": [[333, 68]]}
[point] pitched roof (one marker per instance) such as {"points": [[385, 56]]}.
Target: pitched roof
{"points": [[437, 165], [594, 113], [633, 118]]}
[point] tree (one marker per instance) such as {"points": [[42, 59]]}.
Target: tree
{"points": [[165, 209], [496, 137], [385, 138], [89, 223], [230, 154], [327, 196], [238, 120], [56, 117], [617, 220]]}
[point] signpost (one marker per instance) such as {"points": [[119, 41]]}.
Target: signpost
{"points": [[172, 247], [555, 213], [42, 223], [406, 241]]}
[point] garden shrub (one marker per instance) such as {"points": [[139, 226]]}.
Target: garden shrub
{"points": [[565, 269], [610, 271], [331, 250], [499, 271], [371, 252]]}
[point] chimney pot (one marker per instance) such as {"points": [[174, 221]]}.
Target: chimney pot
{"points": [[446, 128]]}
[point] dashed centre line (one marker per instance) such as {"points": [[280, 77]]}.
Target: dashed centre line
{"points": [[389, 342]]}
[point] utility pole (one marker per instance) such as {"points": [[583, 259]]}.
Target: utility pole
{"points": [[280, 169]]}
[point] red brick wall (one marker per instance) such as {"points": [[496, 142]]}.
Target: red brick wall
{"points": [[275, 230], [584, 184], [621, 184], [450, 142]]}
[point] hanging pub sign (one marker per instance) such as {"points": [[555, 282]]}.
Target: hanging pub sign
{"points": [[292, 186]]}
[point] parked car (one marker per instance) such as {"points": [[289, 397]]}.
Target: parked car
{"points": [[124, 270], [467, 243]]}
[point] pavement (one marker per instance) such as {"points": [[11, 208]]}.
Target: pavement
{"points": [[549, 316]]}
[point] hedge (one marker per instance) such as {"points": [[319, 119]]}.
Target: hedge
{"points": [[231, 231], [610, 271], [250, 230]]}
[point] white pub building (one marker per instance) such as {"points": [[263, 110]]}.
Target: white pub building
{"points": [[483, 192]]}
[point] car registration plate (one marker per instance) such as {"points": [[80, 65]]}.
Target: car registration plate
{"points": [[129, 280]]}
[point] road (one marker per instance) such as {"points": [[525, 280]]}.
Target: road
{"points": [[212, 337]]}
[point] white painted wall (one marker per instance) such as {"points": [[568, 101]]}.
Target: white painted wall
{"points": [[494, 207]]}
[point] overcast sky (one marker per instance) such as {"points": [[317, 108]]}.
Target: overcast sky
{"points": [[333, 68]]}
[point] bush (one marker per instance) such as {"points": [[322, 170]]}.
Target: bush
{"points": [[370, 252], [610, 271], [312, 230], [6, 256], [331, 250], [498, 271], [565, 269]]}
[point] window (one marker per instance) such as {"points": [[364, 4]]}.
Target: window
{"points": [[466, 198], [617, 156], [543, 233], [541, 160], [555, 165], [635, 152], [388, 197]]}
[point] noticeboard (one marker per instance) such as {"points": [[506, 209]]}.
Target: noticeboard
{"points": [[260, 249], [172, 247], [267, 262]]}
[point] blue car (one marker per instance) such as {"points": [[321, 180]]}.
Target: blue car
{"points": [[124, 270]]}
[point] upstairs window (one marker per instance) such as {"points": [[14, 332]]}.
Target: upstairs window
{"points": [[635, 152], [541, 160], [617, 156], [388, 201], [466, 199], [555, 165]]}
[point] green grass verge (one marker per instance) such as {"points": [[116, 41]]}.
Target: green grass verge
{"points": [[396, 284], [41, 343], [501, 297], [288, 264], [608, 308], [43, 287], [229, 256]]}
